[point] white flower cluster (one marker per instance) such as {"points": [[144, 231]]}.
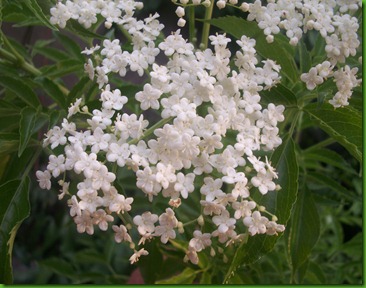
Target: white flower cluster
{"points": [[332, 19], [86, 12], [201, 99]]}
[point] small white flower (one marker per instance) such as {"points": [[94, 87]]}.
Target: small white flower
{"points": [[121, 234], [311, 79], [145, 222], [44, 179]]}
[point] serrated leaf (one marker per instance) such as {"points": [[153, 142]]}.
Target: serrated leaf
{"points": [[22, 90], [238, 26], [53, 90], [278, 202], [304, 230], [343, 124], [27, 120], [14, 208], [37, 11], [186, 277]]}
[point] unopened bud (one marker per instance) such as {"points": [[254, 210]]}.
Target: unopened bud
{"points": [[206, 3], [181, 22], [262, 208], [278, 187], [274, 218], [107, 25], [221, 4], [180, 228], [244, 7], [200, 220], [180, 11], [270, 39], [132, 245], [212, 252]]}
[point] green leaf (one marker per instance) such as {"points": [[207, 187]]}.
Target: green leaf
{"points": [[62, 68], [304, 230], [14, 208], [329, 157], [314, 274], [328, 182], [305, 59], [75, 27], [70, 45], [53, 90], [186, 277], [79, 89], [278, 202], [343, 124], [27, 121], [279, 95], [49, 52], [37, 11], [284, 52], [22, 90], [151, 266], [59, 266], [9, 142]]}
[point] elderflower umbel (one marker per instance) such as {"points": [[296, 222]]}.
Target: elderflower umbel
{"points": [[202, 97]]}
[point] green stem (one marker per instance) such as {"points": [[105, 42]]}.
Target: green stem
{"points": [[192, 28], [151, 130], [206, 25], [22, 64]]}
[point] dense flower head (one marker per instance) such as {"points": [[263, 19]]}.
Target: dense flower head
{"points": [[334, 22], [200, 97]]}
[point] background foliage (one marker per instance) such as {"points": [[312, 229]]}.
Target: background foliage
{"points": [[319, 163]]}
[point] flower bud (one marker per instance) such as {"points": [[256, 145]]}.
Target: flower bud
{"points": [[180, 11], [181, 22], [262, 208], [200, 220]]}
